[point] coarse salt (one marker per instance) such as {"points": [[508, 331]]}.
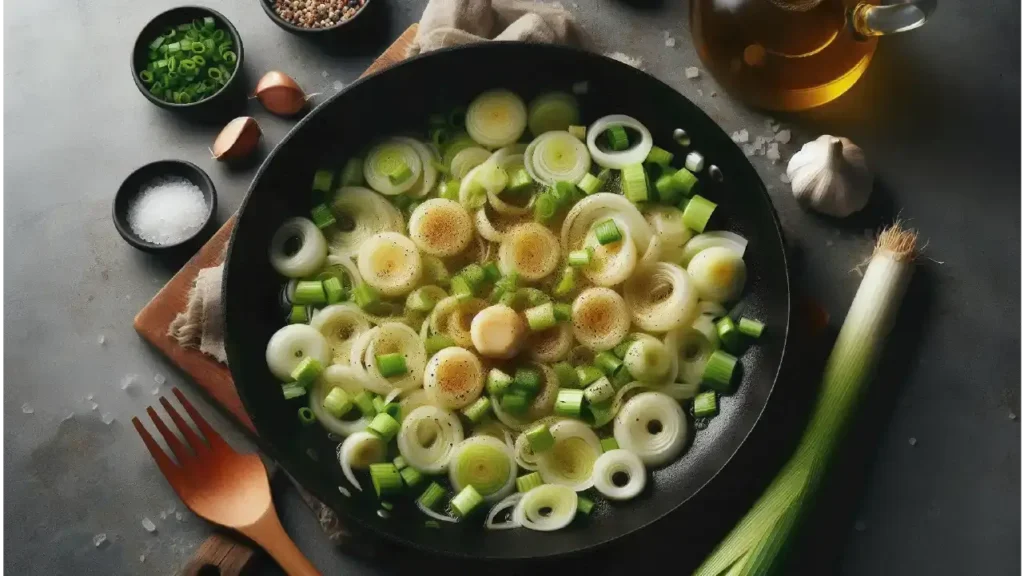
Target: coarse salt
{"points": [[692, 72], [168, 210]]}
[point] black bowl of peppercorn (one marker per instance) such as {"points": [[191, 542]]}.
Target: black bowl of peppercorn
{"points": [[316, 18]]}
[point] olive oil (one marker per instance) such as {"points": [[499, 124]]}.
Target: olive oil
{"points": [[781, 54]]}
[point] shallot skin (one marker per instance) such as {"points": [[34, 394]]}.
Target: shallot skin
{"points": [[280, 94], [237, 139]]}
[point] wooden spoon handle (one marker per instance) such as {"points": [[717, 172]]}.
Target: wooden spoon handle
{"points": [[270, 535]]}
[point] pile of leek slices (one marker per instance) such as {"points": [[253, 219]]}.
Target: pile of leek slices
{"points": [[520, 192]]}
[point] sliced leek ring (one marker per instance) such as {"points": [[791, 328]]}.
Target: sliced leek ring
{"points": [[428, 177], [511, 162], [454, 318], [557, 157], [650, 360], [291, 345], [546, 508], [412, 401], [551, 345], [496, 118], [497, 332], [494, 228], [362, 213], [530, 250], [553, 111], [467, 159], [597, 208], [307, 258], [441, 227], [718, 273], [486, 464], [693, 345], [427, 437], [612, 263], [722, 238], [570, 461], [600, 319], [390, 263], [652, 426], [386, 158], [340, 325], [661, 297], [358, 451], [349, 380], [542, 406], [667, 223], [395, 338], [454, 378], [617, 160], [613, 464]]}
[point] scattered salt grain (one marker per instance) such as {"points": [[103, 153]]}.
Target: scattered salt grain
{"points": [[912, 441], [700, 93], [27, 409], [94, 406], [338, 85], [760, 145], [325, 74], [783, 136], [163, 515], [784, 178], [155, 391], [68, 417], [670, 42], [107, 418], [1013, 416], [692, 72], [101, 340], [99, 540], [773, 152], [88, 396], [148, 525], [177, 516], [749, 149], [159, 379], [128, 381], [626, 59], [142, 557], [741, 136], [168, 210]]}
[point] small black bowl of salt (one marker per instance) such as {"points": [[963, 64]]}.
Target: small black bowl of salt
{"points": [[164, 207]]}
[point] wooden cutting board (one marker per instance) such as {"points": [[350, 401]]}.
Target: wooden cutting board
{"points": [[230, 556]]}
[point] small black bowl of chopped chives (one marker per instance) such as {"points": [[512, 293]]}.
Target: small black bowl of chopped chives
{"points": [[189, 59]]}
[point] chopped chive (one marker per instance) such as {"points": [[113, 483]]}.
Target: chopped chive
{"points": [[432, 496], [155, 44], [384, 426], [438, 342], [599, 391], [498, 382], [727, 333], [528, 482], [146, 76], [659, 156], [617, 138], [608, 363], [751, 328], [309, 292], [364, 402], [685, 181], [293, 390], [352, 173], [322, 216], [411, 476], [527, 379], [365, 295], [705, 404], [306, 416], [719, 371], [298, 315], [519, 181], [515, 403], [466, 501], [540, 438], [584, 506], [307, 371], [450, 190], [567, 377], [333, 289], [400, 462], [607, 232], [578, 258], [544, 207], [697, 213], [608, 444], [563, 312], [569, 403], [564, 193], [386, 478], [541, 317], [391, 364], [588, 374], [474, 275], [491, 271], [621, 348], [566, 282], [589, 184], [478, 410], [634, 183], [337, 403]]}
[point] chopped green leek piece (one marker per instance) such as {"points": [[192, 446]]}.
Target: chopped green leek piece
{"points": [[563, 312], [621, 348], [527, 379], [659, 156], [705, 404], [544, 207], [378, 404], [519, 181], [578, 258], [599, 391], [387, 505], [491, 271], [391, 364], [438, 342], [569, 403], [400, 173], [466, 501], [365, 295], [293, 390], [307, 371], [400, 462], [608, 363], [579, 132], [528, 482], [364, 402], [589, 184], [541, 317], [751, 328], [540, 438], [401, 201], [435, 272], [668, 189], [564, 193], [617, 137], [584, 506], [309, 292], [498, 382], [155, 44], [566, 282], [420, 300], [337, 403], [474, 274], [607, 232], [634, 183], [298, 315], [392, 409], [697, 212], [728, 335], [432, 496], [386, 478], [334, 290], [384, 426], [306, 416], [461, 287], [352, 173], [621, 378], [450, 190], [588, 374], [411, 476], [478, 410], [322, 216], [515, 403], [608, 444], [552, 111], [322, 180], [567, 377], [599, 414], [719, 371], [685, 181]]}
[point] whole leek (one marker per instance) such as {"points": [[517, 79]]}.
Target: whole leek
{"points": [[754, 546]]}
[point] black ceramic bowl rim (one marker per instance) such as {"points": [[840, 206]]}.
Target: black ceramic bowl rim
{"points": [[121, 223], [140, 42], [266, 4]]}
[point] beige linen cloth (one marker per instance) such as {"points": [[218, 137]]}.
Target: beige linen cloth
{"points": [[444, 23]]}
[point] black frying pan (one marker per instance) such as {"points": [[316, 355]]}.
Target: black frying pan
{"points": [[400, 99]]}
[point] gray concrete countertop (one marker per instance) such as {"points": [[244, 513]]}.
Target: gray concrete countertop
{"points": [[937, 114]]}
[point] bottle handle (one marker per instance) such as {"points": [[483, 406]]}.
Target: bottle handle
{"points": [[869, 20]]}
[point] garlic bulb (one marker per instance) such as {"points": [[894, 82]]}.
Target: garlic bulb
{"points": [[830, 176]]}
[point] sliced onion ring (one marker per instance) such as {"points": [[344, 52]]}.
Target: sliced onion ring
{"points": [[616, 160], [310, 255], [506, 504], [616, 462], [359, 451], [570, 461], [348, 380], [427, 453], [561, 502], [652, 426]]}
